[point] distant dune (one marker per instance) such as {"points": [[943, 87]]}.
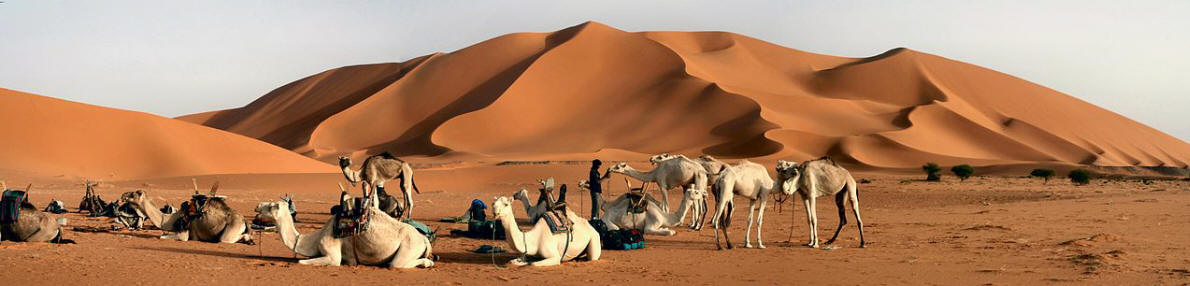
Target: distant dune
{"points": [[47, 137], [593, 89]]}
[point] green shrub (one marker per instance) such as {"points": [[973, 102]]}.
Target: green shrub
{"points": [[1080, 176], [1045, 174], [963, 171], [932, 172]]}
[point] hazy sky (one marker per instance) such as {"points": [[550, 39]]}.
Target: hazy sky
{"points": [[173, 58]]}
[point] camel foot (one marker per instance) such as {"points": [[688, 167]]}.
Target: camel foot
{"points": [[747, 245], [729, 246], [518, 262], [760, 246], [862, 244]]}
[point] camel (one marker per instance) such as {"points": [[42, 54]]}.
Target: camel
{"points": [[217, 223], [540, 242], [751, 181], [375, 171], [387, 241], [654, 221], [533, 211], [668, 174], [32, 225], [816, 178]]}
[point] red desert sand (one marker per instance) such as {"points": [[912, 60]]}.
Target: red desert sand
{"points": [[489, 119]]}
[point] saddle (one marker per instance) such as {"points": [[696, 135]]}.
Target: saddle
{"points": [[557, 220], [127, 215], [636, 202], [351, 216], [92, 203], [11, 204], [193, 209]]}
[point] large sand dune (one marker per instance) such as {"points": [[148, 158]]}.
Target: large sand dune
{"points": [[595, 89], [46, 137]]}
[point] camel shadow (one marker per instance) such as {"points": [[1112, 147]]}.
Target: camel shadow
{"points": [[220, 254], [138, 234], [476, 258]]}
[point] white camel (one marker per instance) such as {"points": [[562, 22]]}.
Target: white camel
{"points": [[668, 174], [751, 181], [654, 221], [539, 242], [655, 159], [386, 241], [817, 178]]}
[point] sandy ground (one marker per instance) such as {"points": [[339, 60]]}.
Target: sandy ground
{"points": [[987, 230]]}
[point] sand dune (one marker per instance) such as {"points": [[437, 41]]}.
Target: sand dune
{"points": [[591, 87], [47, 137]]}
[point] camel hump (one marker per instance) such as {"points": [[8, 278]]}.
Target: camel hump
{"points": [[827, 159]]}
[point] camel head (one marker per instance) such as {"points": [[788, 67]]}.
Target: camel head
{"points": [[584, 184], [268, 212], [501, 206], [790, 172], [521, 195], [695, 194], [137, 197], [345, 164], [344, 161], [620, 168]]}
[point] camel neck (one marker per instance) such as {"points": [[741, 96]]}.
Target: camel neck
{"points": [[351, 176], [516, 238], [154, 214], [288, 231], [678, 217], [643, 176]]}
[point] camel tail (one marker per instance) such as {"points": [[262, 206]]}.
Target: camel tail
{"points": [[725, 221], [414, 182]]}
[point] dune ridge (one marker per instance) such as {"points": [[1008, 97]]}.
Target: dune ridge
{"points": [[48, 137], [593, 89]]}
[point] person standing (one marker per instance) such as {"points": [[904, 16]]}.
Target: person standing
{"points": [[595, 182]]}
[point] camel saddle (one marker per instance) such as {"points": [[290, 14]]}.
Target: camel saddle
{"points": [[351, 217], [11, 204], [92, 203], [557, 220], [195, 208], [636, 202]]}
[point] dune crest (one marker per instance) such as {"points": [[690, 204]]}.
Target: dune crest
{"points": [[47, 137], [592, 87]]}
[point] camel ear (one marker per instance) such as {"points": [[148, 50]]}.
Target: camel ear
{"points": [[140, 192]]}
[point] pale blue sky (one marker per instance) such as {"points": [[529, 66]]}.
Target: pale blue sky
{"points": [[173, 58]]}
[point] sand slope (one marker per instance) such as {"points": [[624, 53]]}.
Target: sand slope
{"points": [[44, 136], [592, 88]]}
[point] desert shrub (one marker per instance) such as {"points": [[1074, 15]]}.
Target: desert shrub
{"points": [[933, 172], [1080, 176], [1044, 174], [865, 181], [963, 171]]}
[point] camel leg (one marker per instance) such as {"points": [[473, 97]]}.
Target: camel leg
{"points": [[659, 231], [840, 198], [43, 234], [726, 222], [548, 261], [407, 189], [332, 247], [809, 204], [719, 213], [664, 196], [760, 224], [236, 231], [793, 217], [594, 247], [410, 257], [751, 223], [180, 236], [855, 210]]}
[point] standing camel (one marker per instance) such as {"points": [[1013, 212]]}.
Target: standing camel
{"points": [[749, 180], [377, 170], [668, 174], [540, 242], [30, 224], [816, 178]]}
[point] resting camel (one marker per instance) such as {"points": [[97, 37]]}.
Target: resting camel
{"points": [[386, 241], [32, 225], [540, 242], [377, 170], [751, 181], [816, 178], [534, 211], [668, 174], [218, 222], [654, 221]]}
